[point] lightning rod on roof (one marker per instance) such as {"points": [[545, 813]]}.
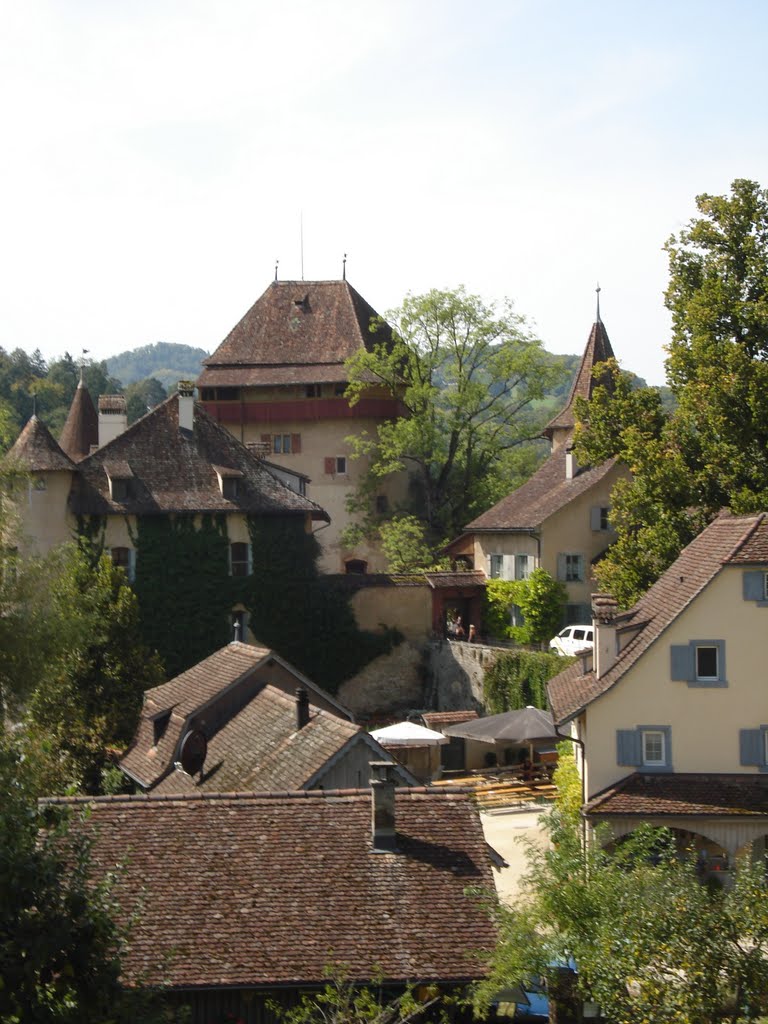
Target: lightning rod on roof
{"points": [[344, 268], [301, 232], [597, 292], [277, 263]]}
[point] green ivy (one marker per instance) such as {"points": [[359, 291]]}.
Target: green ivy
{"points": [[519, 679], [186, 595], [540, 598]]}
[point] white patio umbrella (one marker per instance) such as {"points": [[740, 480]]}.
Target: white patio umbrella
{"points": [[408, 734]]}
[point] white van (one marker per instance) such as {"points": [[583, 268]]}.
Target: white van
{"points": [[573, 639]]}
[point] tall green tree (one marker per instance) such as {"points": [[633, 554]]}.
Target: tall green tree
{"points": [[468, 376], [88, 701], [651, 943], [711, 451]]}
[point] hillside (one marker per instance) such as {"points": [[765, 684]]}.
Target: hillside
{"points": [[163, 360]]}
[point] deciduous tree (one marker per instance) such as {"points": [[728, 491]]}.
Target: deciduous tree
{"points": [[468, 377]]}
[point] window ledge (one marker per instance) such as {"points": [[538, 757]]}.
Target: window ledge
{"points": [[707, 684]]}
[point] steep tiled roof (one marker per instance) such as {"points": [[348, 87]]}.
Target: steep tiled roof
{"points": [[545, 493], [174, 471], [81, 429], [296, 332], [36, 449], [148, 759], [253, 890], [723, 541], [261, 749], [597, 351], [682, 794]]}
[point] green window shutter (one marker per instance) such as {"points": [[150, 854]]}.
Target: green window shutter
{"points": [[561, 567], [754, 586], [751, 747], [682, 667], [595, 517], [629, 747]]}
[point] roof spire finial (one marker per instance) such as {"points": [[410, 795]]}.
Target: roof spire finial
{"points": [[82, 364], [344, 268], [277, 264], [597, 291]]}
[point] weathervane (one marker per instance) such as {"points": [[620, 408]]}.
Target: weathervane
{"points": [[344, 268], [597, 291], [277, 264], [83, 362]]}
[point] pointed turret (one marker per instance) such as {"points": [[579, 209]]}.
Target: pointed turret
{"points": [[36, 449], [81, 430], [598, 349]]}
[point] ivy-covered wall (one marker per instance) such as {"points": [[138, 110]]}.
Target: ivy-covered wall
{"points": [[186, 596], [519, 679]]}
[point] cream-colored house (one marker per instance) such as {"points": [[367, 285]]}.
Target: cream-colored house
{"points": [[559, 520], [671, 711], [277, 382], [174, 462]]}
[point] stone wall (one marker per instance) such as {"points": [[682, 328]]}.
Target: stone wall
{"points": [[442, 675]]}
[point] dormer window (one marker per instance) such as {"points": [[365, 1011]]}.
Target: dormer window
{"points": [[120, 479], [230, 482], [159, 725]]}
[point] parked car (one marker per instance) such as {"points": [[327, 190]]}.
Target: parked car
{"points": [[573, 639]]}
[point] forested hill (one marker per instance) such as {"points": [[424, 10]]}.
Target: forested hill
{"points": [[164, 360]]}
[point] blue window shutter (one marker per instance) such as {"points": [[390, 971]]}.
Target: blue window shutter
{"points": [[754, 586], [751, 747], [595, 517], [682, 667], [561, 567], [628, 747]]}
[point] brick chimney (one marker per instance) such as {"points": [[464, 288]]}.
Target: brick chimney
{"points": [[186, 404], [604, 610], [302, 707], [383, 807], [113, 417]]}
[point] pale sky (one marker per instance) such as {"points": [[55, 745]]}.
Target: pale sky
{"points": [[158, 156]]}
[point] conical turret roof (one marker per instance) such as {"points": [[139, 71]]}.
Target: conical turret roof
{"points": [[36, 449], [597, 351], [81, 430]]}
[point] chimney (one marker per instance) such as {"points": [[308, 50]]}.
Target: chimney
{"points": [[113, 417], [571, 466], [302, 707], [383, 807], [186, 404], [604, 609]]}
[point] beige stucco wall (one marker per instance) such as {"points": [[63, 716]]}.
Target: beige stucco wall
{"points": [[41, 505], [321, 439], [409, 608], [705, 721]]}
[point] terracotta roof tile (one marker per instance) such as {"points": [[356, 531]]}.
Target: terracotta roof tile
{"points": [[296, 332], [173, 471], [438, 719], [81, 429], [545, 493], [260, 748], [683, 794], [266, 890], [723, 541], [150, 758], [36, 449], [468, 578]]}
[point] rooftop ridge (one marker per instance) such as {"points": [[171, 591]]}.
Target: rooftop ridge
{"points": [[404, 792]]}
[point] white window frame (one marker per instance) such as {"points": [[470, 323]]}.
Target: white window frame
{"points": [[649, 736], [574, 564], [496, 562], [130, 568], [341, 465], [523, 567]]}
